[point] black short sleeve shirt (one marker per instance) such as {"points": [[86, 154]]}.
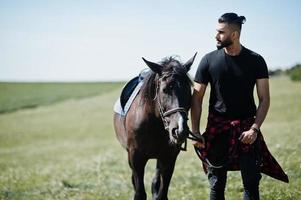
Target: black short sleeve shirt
{"points": [[232, 80]]}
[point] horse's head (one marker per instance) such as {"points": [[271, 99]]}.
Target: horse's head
{"points": [[172, 94]]}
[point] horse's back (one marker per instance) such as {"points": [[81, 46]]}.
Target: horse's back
{"points": [[120, 129]]}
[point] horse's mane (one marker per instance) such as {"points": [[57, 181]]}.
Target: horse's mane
{"points": [[170, 66]]}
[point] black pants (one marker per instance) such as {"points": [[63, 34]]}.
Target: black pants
{"points": [[250, 173]]}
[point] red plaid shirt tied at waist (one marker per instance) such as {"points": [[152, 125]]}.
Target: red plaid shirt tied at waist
{"points": [[223, 147]]}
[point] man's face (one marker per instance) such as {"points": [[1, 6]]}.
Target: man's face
{"points": [[223, 35]]}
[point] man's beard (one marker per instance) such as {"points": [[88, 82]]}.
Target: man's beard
{"points": [[223, 44]]}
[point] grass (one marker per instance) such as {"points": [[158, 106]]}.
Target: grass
{"points": [[29, 95], [68, 150]]}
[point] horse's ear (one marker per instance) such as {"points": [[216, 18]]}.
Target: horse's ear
{"points": [[188, 64], [154, 66]]}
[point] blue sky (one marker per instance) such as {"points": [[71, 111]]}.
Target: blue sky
{"points": [[64, 40]]}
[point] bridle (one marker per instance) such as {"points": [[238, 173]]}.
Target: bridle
{"points": [[168, 113], [164, 114]]}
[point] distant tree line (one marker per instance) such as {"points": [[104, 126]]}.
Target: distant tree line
{"points": [[294, 72]]}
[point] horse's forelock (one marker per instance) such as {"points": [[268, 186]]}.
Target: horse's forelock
{"points": [[170, 62], [171, 66], [175, 67]]}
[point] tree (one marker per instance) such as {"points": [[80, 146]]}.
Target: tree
{"points": [[295, 73]]}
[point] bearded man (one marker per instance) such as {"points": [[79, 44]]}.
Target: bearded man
{"points": [[233, 140]]}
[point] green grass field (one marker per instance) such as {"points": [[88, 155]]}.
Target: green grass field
{"points": [[67, 149], [29, 95]]}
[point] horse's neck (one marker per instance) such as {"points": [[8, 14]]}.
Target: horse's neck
{"points": [[148, 107]]}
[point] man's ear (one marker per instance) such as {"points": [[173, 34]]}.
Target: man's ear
{"points": [[235, 34]]}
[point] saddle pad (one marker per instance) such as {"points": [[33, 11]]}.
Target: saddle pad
{"points": [[122, 110], [129, 92]]}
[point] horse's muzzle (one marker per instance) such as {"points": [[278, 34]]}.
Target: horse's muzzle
{"points": [[179, 135]]}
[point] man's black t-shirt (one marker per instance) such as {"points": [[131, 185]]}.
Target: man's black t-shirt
{"points": [[232, 80]]}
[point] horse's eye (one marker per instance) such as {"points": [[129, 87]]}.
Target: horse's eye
{"points": [[168, 88]]}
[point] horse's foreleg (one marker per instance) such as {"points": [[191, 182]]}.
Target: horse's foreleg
{"points": [[137, 164], [156, 182], [166, 168]]}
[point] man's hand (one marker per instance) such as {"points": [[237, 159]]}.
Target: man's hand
{"points": [[248, 137], [199, 144]]}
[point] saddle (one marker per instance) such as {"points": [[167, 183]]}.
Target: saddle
{"points": [[131, 89], [128, 90]]}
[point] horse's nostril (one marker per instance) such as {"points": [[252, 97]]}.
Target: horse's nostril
{"points": [[174, 132]]}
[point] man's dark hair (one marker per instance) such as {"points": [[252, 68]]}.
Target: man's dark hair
{"points": [[232, 18]]}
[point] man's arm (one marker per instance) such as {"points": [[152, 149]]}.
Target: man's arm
{"points": [[196, 106], [263, 93]]}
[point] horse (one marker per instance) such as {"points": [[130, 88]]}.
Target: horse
{"points": [[155, 126]]}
